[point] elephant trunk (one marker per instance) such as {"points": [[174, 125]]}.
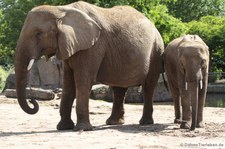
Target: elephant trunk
{"points": [[193, 92], [21, 71]]}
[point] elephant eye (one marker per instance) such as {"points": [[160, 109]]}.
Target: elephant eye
{"points": [[38, 34]]}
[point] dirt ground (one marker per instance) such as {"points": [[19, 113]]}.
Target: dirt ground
{"points": [[20, 130]]}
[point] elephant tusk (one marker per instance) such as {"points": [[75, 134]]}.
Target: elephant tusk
{"points": [[200, 83], [186, 86], [30, 64]]}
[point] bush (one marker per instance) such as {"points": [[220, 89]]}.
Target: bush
{"points": [[3, 76]]}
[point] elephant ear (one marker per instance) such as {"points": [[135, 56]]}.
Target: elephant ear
{"points": [[76, 31]]}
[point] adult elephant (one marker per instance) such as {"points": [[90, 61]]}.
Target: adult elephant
{"points": [[118, 46], [186, 63]]}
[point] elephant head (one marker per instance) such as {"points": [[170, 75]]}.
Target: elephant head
{"points": [[48, 31], [193, 66]]}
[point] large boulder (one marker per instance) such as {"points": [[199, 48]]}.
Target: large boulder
{"points": [[102, 92], [133, 95], [45, 75], [44, 78]]}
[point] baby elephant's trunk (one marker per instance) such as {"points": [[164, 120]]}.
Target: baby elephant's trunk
{"points": [[193, 92]]}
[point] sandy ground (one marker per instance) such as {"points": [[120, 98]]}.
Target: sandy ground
{"points": [[20, 130]]}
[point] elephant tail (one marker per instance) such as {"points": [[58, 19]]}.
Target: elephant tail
{"points": [[163, 75]]}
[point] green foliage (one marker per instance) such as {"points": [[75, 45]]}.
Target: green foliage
{"points": [[212, 30], [215, 103], [11, 22], [3, 76], [169, 27], [188, 10]]}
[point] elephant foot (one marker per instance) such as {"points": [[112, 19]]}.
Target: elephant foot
{"points": [[85, 126], [200, 125], [177, 121], [111, 121], [185, 125], [145, 121], [65, 125]]}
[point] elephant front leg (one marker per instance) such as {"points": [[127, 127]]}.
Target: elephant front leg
{"points": [[66, 122], [82, 108], [186, 111], [67, 100], [117, 115]]}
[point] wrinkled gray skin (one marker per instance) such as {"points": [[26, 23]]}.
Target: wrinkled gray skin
{"points": [[118, 46], [186, 63]]}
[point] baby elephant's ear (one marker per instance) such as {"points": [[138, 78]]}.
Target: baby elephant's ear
{"points": [[76, 31]]}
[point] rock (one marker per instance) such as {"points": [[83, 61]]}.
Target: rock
{"points": [[34, 76], [102, 92], [45, 75], [133, 95], [32, 93]]}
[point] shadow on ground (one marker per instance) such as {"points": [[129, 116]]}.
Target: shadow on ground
{"points": [[130, 128], [135, 128]]}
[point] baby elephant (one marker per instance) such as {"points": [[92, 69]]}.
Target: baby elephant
{"points": [[186, 63]]}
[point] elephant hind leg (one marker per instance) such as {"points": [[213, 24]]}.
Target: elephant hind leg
{"points": [[148, 89], [148, 106], [174, 91], [117, 115]]}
